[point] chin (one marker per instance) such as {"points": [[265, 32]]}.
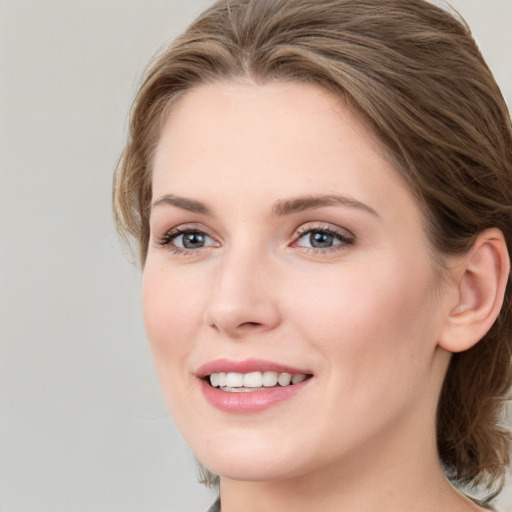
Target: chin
{"points": [[257, 464], [251, 471]]}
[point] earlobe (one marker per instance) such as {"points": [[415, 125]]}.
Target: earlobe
{"points": [[480, 279]]}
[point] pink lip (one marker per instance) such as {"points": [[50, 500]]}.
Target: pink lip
{"points": [[246, 366], [252, 401]]}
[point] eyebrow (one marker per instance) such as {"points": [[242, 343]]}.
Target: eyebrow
{"points": [[301, 204], [285, 207], [182, 202]]}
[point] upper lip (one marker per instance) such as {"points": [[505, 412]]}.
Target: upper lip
{"points": [[246, 366]]}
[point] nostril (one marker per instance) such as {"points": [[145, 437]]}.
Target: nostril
{"points": [[249, 324]]}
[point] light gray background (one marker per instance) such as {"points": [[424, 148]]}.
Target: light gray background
{"points": [[83, 426]]}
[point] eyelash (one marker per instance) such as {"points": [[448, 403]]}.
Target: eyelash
{"points": [[343, 238], [171, 235]]}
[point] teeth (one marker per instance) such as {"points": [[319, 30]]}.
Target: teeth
{"points": [[214, 379], [254, 380], [269, 379], [234, 380], [284, 379], [298, 378], [221, 379]]}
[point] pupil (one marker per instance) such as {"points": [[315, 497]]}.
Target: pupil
{"points": [[320, 240], [193, 240]]}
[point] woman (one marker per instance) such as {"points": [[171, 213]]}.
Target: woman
{"points": [[321, 191]]}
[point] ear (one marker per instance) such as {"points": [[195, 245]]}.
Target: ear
{"points": [[480, 278]]}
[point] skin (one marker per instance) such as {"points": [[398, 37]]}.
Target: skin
{"points": [[364, 316]]}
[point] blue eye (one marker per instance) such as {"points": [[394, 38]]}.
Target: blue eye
{"points": [[322, 238], [192, 240], [186, 239]]}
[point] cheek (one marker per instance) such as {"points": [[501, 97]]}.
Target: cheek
{"points": [[171, 312], [379, 316], [375, 342]]}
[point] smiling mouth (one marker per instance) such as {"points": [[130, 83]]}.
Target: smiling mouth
{"points": [[253, 381]]}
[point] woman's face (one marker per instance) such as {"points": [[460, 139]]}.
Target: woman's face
{"points": [[283, 242]]}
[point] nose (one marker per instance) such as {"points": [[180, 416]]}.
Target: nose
{"points": [[244, 297]]}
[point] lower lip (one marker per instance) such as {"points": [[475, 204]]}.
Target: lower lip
{"points": [[250, 401]]}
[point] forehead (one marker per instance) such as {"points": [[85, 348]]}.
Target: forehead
{"points": [[244, 140]]}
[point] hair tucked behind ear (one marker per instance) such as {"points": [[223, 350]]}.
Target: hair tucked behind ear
{"points": [[414, 73]]}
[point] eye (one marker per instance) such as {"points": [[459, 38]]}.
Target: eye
{"points": [[324, 238], [192, 240], [186, 239]]}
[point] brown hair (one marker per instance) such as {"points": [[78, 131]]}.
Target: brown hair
{"points": [[415, 75]]}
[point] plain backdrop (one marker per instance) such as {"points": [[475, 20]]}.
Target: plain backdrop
{"points": [[83, 426]]}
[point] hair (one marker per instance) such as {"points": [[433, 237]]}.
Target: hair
{"points": [[414, 74]]}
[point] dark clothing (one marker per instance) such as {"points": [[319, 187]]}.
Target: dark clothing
{"points": [[215, 507]]}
